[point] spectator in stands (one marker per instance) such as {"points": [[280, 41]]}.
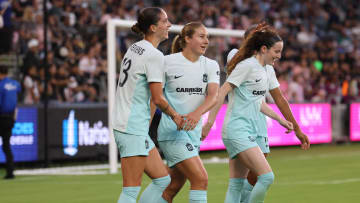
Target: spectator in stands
{"points": [[32, 56], [6, 27], [330, 35], [296, 89]]}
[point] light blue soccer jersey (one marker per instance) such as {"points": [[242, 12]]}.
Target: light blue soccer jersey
{"points": [[261, 124], [185, 90], [142, 64]]}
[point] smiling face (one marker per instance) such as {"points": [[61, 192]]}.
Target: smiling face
{"points": [[161, 29], [199, 41], [274, 53]]}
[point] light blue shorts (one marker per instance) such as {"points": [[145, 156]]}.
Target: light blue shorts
{"points": [[176, 151], [263, 143], [133, 145], [240, 144]]}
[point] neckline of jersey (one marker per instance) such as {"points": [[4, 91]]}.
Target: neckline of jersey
{"points": [[257, 61], [187, 60]]}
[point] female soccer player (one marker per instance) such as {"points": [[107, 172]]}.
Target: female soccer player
{"points": [[233, 194], [191, 87], [247, 84], [141, 76]]}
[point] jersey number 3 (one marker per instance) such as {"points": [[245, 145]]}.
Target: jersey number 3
{"points": [[126, 64]]}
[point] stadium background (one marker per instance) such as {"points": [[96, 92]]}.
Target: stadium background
{"points": [[320, 64]]}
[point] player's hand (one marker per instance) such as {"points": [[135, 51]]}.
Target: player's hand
{"points": [[205, 130], [287, 124], [179, 121], [191, 120], [305, 143]]}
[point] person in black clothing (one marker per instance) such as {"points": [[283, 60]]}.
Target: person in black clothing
{"points": [[6, 27], [9, 90]]}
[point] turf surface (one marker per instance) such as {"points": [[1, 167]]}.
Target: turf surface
{"points": [[325, 173]]}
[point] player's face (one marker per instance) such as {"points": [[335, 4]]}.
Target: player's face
{"points": [[162, 27], [274, 53], [199, 41]]}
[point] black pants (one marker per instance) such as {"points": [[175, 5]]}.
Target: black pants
{"points": [[6, 125], [6, 36]]}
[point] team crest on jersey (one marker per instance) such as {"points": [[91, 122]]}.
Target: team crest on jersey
{"points": [[252, 139], [146, 144], [205, 77], [189, 147]]}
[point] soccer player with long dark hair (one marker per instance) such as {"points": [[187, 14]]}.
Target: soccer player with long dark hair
{"points": [[141, 77], [247, 82]]}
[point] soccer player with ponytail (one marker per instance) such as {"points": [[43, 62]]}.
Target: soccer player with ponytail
{"points": [[191, 87], [249, 78], [141, 77]]}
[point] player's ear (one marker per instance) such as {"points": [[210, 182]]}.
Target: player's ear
{"points": [[263, 49], [153, 28], [187, 39]]}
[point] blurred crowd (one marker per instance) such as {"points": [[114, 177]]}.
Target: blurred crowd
{"points": [[320, 61]]}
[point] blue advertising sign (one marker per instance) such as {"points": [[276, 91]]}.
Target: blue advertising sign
{"points": [[24, 139]]}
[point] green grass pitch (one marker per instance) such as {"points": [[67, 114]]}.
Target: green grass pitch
{"points": [[325, 173]]}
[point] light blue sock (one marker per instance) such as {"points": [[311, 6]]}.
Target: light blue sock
{"points": [[154, 190], [263, 183], [198, 196], [233, 193], [245, 193], [129, 195]]}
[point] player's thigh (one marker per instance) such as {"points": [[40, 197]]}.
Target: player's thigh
{"points": [[155, 167], [254, 159], [237, 169], [193, 169], [132, 169], [134, 150]]}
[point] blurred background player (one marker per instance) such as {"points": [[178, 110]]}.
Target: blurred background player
{"points": [[9, 91], [191, 87]]}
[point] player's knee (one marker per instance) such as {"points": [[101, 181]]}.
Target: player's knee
{"points": [[252, 178], [201, 181], [267, 179]]}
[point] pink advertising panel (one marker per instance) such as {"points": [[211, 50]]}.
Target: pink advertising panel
{"points": [[355, 122], [213, 141], [314, 120]]}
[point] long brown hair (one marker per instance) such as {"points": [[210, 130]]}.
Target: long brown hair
{"points": [[179, 41], [262, 35]]}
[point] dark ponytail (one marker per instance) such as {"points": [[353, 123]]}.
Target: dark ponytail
{"points": [[146, 17], [135, 28]]}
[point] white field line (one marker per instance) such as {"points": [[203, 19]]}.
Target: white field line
{"points": [[103, 168], [69, 170], [330, 182]]}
